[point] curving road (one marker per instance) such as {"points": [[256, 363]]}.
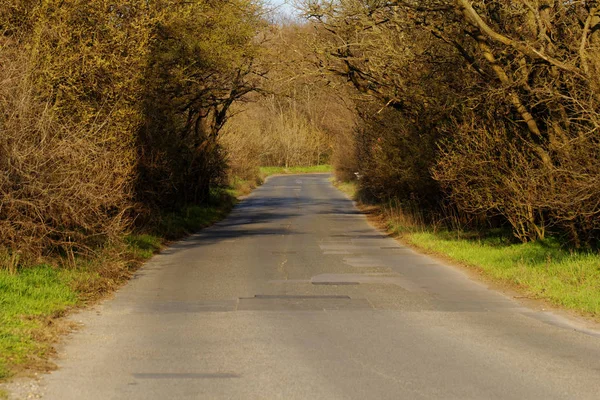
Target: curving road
{"points": [[295, 296]]}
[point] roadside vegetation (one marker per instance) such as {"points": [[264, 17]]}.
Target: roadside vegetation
{"points": [[296, 120], [540, 269]]}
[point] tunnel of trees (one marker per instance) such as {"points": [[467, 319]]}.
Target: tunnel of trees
{"points": [[483, 113]]}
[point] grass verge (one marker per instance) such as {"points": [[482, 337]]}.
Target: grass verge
{"points": [[33, 298], [541, 270], [28, 301], [268, 171], [349, 188]]}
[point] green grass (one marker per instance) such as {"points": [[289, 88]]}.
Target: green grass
{"points": [[32, 297], [143, 246], [541, 270], [268, 171], [242, 187], [27, 298], [349, 188]]}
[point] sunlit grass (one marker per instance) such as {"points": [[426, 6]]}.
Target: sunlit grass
{"points": [[542, 270], [349, 188], [26, 298], [268, 171]]}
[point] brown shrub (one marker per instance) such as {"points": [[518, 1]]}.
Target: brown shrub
{"points": [[63, 187], [103, 103]]}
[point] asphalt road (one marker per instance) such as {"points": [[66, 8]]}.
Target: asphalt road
{"points": [[296, 296]]}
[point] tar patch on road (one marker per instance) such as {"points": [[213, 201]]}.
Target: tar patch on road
{"points": [[301, 303], [217, 375]]}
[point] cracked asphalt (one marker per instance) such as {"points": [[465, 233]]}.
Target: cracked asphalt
{"points": [[296, 296]]}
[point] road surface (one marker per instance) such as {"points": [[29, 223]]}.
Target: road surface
{"points": [[296, 296]]}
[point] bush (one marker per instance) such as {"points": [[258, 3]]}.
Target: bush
{"points": [[112, 109]]}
